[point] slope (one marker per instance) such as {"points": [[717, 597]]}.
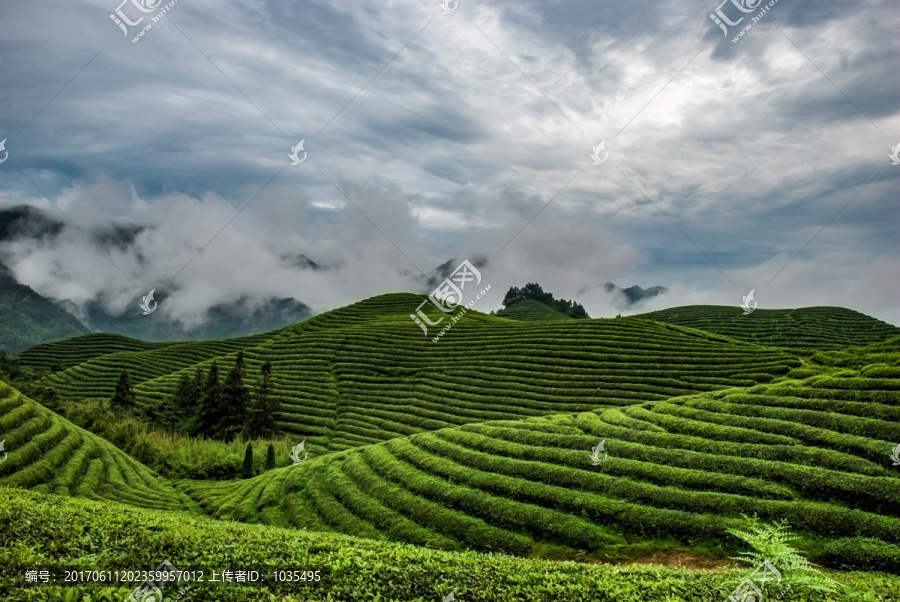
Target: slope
{"points": [[48, 453], [27, 318], [352, 569], [96, 377], [365, 373], [804, 330], [814, 452], [80, 349], [531, 309]]}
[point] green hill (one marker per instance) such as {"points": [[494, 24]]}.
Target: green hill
{"points": [[816, 453], [49, 454], [531, 309], [365, 373], [480, 442], [353, 569], [94, 362], [806, 329], [80, 349]]}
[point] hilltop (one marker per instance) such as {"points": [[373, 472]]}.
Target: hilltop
{"points": [[435, 453], [804, 330], [365, 373], [813, 451], [49, 454]]}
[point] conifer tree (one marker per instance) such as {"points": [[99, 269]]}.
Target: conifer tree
{"points": [[247, 468], [210, 410], [261, 415], [123, 398], [235, 399], [270, 457]]}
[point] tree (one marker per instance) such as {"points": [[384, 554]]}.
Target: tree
{"points": [[176, 409], [247, 468], [210, 409], [261, 414], [270, 457], [123, 398], [9, 366], [235, 399], [535, 291]]}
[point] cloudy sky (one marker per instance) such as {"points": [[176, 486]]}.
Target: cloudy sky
{"points": [[756, 164]]}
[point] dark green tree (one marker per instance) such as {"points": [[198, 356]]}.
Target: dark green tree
{"points": [[210, 408], [247, 468], [261, 414], [533, 290], [123, 398], [235, 400], [175, 410], [9, 366], [270, 457]]}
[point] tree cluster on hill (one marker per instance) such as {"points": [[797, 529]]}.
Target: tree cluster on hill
{"points": [[532, 290], [202, 405]]}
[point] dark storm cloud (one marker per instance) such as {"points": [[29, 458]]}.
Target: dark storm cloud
{"points": [[748, 148]]}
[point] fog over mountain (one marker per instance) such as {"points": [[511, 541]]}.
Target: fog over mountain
{"points": [[167, 160]]}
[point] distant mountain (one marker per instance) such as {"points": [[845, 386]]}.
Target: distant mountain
{"points": [[304, 263], [633, 295], [27, 318], [23, 221], [228, 319], [443, 271]]}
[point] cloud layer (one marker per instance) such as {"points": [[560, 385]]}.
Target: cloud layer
{"points": [[761, 164]]}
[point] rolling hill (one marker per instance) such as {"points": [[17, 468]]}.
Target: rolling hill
{"points": [[531, 309], [365, 373], [436, 453], [49, 454], [815, 452], [804, 330]]}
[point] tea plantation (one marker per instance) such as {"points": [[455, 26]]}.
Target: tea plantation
{"points": [[365, 373], [473, 463], [49, 454], [816, 453], [807, 329]]}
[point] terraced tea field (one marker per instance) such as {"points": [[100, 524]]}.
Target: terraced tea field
{"points": [[94, 362], [529, 309], [365, 373], [816, 453], [481, 443], [805, 330], [49, 454]]}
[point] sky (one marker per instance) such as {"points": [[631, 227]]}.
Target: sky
{"points": [[458, 130]]}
